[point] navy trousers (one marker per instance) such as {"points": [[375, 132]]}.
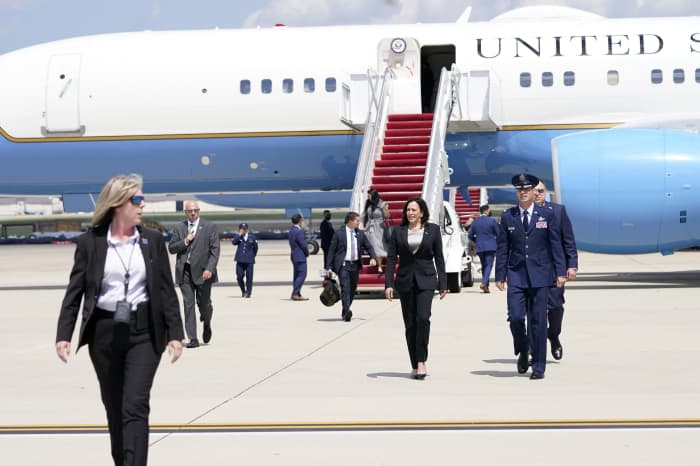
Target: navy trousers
{"points": [[244, 275], [555, 312], [486, 258], [530, 304], [299, 277]]}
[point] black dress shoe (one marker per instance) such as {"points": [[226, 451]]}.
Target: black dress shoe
{"points": [[420, 376], [194, 343], [557, 350], [523, 362], [206, 334], [536, 376], [347, 316]]}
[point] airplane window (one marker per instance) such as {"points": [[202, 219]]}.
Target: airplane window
{"points": [[525, 80], [569, 78], [330, 84], [266, 86], [678, 75], [547, 79], [245, 86], [613, 78], [697, 75], [287, 86], [309, 85], [657, 76]]}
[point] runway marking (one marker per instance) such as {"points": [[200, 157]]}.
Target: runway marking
{"points": [[369, 426]]}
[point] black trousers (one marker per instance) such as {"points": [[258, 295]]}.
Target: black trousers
{"points": [[348, 276], [416, 309], [192, 292], [126, 363]]}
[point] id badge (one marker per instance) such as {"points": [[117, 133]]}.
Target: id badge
{"points": [[123, 312]]}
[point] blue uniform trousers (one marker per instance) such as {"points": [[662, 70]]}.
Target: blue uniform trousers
{"points": [[486, 258], [555, 312], [244, 275], [299, 277], [530, 303]]}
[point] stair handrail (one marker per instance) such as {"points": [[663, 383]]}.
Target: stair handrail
{"points": [[373, 138], [437, 170]]}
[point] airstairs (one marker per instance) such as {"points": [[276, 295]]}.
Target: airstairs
{"points": [[403, 154]]}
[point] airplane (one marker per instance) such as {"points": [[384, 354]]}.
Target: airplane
{"points": [[603, 110]]}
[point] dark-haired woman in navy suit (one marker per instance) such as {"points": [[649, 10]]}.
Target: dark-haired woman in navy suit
{"points": [[418, 245]]}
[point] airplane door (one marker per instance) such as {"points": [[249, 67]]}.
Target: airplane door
{"points": [[402, 55], [62, 94], [433, 59]]}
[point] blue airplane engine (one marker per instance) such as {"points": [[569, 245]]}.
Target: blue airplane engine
{"points": [[630, 190]]}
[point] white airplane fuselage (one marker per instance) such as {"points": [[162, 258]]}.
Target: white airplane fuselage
{"points": [[231, 110]]}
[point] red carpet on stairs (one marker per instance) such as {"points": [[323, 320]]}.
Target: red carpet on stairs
{"points": [[398, 173]]}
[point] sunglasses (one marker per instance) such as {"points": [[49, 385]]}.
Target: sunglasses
{"points": [[540, 190], [137, 199]]}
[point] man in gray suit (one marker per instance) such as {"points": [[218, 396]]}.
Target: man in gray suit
{"points": [[196, 243]]}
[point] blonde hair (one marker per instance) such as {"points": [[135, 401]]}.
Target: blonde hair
{"points": [[115, 192]]}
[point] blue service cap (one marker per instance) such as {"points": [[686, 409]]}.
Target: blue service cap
{"points": [[243, 226], [525, 180]]}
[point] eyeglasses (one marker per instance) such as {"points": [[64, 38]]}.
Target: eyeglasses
{"points": [[189, 211], [137, 199], [540, 190]]}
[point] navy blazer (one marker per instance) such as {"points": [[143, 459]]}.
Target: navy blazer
{"points": [[86, 283], [203, 251], [426, 267], [339, 247], [484, 233], [568, 240], [247, 250], [533, 258], [297, 241]]}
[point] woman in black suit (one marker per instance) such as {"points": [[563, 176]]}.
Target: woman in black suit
{"points": [[121, 272], [418, 244]]}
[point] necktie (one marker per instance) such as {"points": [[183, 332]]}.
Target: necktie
{"points": [[353, 246], [526, 224]]}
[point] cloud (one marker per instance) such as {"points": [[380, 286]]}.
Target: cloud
{"points": [[328, 12]]}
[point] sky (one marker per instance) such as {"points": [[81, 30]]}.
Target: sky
{"points": [[29, 22]]}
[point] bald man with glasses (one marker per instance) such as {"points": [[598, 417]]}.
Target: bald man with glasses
{"points": [[196, 243]]}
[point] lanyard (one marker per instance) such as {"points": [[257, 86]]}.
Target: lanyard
{"points": [[126, 266]]}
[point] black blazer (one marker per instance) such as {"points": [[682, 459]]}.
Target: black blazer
{"points": [[86, 282], [339, 247], [426, 266]]}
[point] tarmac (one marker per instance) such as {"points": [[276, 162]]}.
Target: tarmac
{"points": [[289, 383]]}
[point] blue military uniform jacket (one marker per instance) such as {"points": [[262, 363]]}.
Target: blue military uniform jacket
{"points": [[531, 259], [484, 233], [567, 234], [247, 249]]}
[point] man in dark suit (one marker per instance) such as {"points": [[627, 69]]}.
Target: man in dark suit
{"points": [[245, 258], [345, 258], [299, 253], [555, 302], [484, 233], [530, 257], [327, 231], [196, 243]]}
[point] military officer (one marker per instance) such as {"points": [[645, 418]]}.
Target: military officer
{"points": [[530, 258], [555, 302]]}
